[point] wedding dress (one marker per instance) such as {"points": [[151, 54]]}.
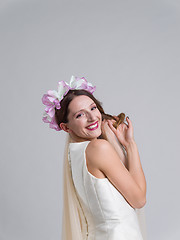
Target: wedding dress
{"points": [[108, 214]]}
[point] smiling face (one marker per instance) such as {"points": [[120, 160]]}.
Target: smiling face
{"points": [[83, 112]]}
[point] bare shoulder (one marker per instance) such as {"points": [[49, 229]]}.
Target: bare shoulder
{"points": [[103, 157], [98, 146], [97, 149]]}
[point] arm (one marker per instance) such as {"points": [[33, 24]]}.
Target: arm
{"points": [[108, 135], [135, 167], [131, 160], [102, 156], [125, 136], [121, 152]]}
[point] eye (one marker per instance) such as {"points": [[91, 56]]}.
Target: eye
{"points": [[78, 115], [81, 113], [93, 107]]}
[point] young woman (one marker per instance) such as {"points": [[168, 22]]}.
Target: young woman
{"points": [[104, 182]]}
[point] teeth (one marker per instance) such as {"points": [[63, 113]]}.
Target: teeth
{"points": [[92, 126]]}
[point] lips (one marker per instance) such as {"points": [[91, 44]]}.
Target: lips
{"points": [[92, 124], [93, 127]]}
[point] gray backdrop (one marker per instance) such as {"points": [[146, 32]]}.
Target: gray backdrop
{"points": [[130, 51]]}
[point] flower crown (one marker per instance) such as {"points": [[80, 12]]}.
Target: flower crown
{"points": [[53, 98]]}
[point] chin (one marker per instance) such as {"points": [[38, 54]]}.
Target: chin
{"points": [[97, 134]]}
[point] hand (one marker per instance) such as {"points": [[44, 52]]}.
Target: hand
{"points": [[107, 133], [110, 136], [124, 132]]}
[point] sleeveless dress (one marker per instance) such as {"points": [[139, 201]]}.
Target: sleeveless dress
{"points": [[108, 214]]}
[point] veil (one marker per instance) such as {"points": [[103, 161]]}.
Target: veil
{"points": [[74, 223], [142, 221]]}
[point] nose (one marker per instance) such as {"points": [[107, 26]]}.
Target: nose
{"points": [[91, 116]]}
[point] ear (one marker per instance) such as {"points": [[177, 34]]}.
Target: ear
{"points": [[64, 127]]}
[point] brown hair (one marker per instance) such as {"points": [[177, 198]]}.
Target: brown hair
{"points": [[61, 115]]}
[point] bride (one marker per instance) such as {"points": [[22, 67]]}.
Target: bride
{"points": [[104, 183]]}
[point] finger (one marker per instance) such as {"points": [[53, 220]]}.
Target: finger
{"points": [[116, 117], [125, 124], [110, 124], [104, 121], [129, 122], [111, 119], [105, 125]]}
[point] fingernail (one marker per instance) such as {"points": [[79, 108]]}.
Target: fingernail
{"points": [[127, 117]]}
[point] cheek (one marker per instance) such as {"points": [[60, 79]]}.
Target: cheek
{"points": [[78, 125], [99, 114]]}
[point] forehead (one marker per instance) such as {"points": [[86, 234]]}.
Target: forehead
{"points": [[79, 102]]}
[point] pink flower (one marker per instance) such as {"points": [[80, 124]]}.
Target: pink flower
{"points": [[53, 98]]}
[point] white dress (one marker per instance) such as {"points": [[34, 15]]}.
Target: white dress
{"points": [[108, 214]]}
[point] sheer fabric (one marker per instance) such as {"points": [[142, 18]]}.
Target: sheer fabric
{"points": [[73, 220]]}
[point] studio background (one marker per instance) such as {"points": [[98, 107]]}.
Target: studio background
{"points": [[130, 51]]}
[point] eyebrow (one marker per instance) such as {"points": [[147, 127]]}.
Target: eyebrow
{"points": [[83, 109]]}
